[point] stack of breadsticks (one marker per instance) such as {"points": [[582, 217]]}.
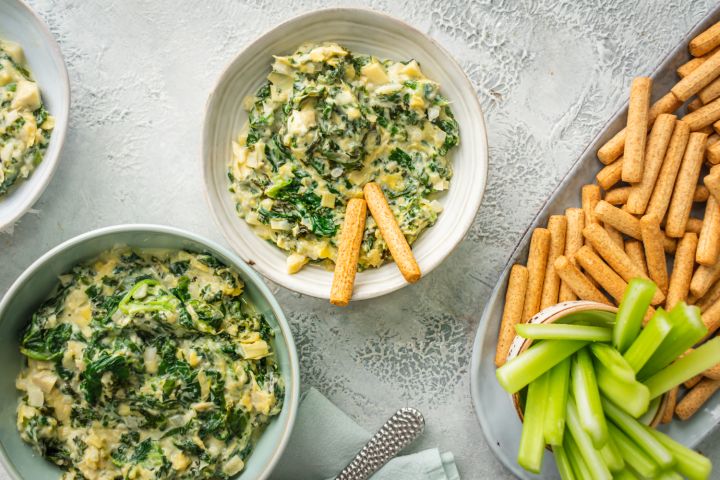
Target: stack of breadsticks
{"points": [[637, 221], [351, 237]]}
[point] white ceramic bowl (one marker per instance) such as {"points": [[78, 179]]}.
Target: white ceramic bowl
{"points": [[18, 23], [362, 31]]}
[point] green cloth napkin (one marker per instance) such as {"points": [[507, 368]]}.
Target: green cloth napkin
{"points": [[325, 440]]}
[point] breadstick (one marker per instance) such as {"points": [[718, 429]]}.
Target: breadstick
{"points": [[620, 219], [701, 193], [615, 235], [669, 244], [557, 224], [346, 264], [711, 319], [710, 297], [693, 381], [636, 130], [613, 148], [610, 175], [636, 252], [573, 242], [713, 139], [710, 92], [536, 264], [707, 130], [703, 278], [713, 372], [695, 398], [682, 271], [704, 116], [652, 239], [706, 41], [579, 283], [697, 79], [391, 233], [694, 105], [512, 313], [660, 198], [616, 257], [713, 153], [708, 247], [657, 145], [687, 178], [712, 183], [694, 225], [601, 272], [688, 67], [617, 196], [670, 406], [590, 197]]}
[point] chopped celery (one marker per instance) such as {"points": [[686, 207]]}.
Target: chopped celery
{"points": [[563, 463], [535, 361], [532, 440], [634, 456], [587, 398], [637, 432], [687, 329], [591, 456], [689, 462], [611, 455], [649, 340], [631, 312], [558, 385], [683, 369], [577, 462], [613, 361], [562, 331], [633, 397]]}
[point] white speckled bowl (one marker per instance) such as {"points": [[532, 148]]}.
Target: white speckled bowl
{"points": [[18, 23], [361, 31]]}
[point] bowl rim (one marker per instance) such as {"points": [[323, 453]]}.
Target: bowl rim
{"points": [[464, 222], [61, 125], [240, 264]]}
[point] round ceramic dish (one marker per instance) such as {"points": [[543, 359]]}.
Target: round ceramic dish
{"points": [[361, 31], [20, 24], [33, 286]]}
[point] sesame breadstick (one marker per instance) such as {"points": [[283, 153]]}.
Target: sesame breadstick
{"points": [[682, 271], [687, 179], [662, 193], [578, 282], [537, 265], [636, 130], [573, 241], [512, 313], [346, 264], [557, 224]]}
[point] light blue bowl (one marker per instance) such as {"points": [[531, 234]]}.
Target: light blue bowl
{"points": [[34, 285]]}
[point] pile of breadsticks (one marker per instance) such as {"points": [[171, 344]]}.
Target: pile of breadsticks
{"points": [[658, 169], [351, 237]]}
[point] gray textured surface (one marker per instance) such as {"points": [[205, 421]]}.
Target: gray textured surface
{"points": [[549, 74]]}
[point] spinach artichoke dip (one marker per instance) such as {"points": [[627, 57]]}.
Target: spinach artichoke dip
{"points": [[148, 365], [25, 125], [326, 122]]}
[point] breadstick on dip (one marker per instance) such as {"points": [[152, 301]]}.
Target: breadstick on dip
{"points": [[636, 252], [578, 282], [662, 193], [697, 79], [617, 196], [557, 224], [610, 175], [670, 406], [346, 264], [512, 313], [573, 241], [704, 116], [708, 247], [391, 233], [695, 398], [536, 265], [657, 145], [682, 271], [687, 179], [703, 279], [652, 239], [706, 41], [590, 197], [636, 130], [601, 272], [618, 218]]}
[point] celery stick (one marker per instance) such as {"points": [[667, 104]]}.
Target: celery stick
{"points": [[532, 440], [613, 361], [649, 340], [636, 431], [563, 463], [669, 475], [687, 329], [683, 369], [562, 331], [626, 474], [633, 397], [535, 361], [579, 467], [633, 455], [631, 312], [595, 318], [590, 455], [689, 462], [587, 398], [611, 455], [556, 402]]}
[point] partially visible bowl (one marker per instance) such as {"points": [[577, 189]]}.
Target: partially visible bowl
{"points": [[362, 31], [34, 285], [18, 23]]}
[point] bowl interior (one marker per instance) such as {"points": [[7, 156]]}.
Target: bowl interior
{"points": [[38, 281], [19, 24], [361, 31]]}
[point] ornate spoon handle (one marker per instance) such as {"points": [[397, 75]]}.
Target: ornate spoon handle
{"points": [[397, 433]]}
